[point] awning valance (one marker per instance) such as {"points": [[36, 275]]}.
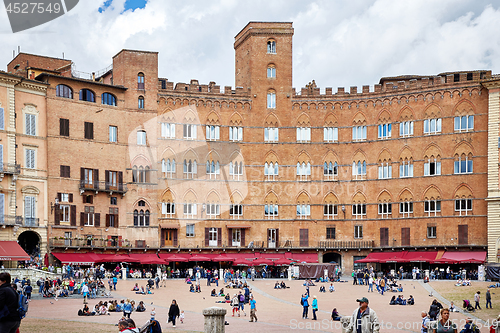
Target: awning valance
{"points": [[462, 257], [238, 226], [10, 251], [85, 259]]}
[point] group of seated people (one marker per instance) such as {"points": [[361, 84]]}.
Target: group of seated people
{"points": [[281, 285], [104, 308], [461, 283], [308, 283], [194, 288], [400, 300], [227, 297], [331, 288], [141, 290], [235, 283]]}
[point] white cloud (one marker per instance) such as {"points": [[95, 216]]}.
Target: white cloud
{"points": [[337, 43]]}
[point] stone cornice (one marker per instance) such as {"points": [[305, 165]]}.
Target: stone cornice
{"points": [[492, 84], [9, 80], [41, 87]]}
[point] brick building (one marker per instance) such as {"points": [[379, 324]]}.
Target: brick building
{"points": [[140, 164]]}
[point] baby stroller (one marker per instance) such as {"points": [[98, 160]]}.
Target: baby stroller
{"points": [[151, 326], [467, 306]]}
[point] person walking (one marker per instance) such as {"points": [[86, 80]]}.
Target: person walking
{"points": [[488, 298], [253, 309], [445, 325], [9, 318], [425, 322], [364, 319], [370, 283], [173, 312], [477, 298], [314, 307]]}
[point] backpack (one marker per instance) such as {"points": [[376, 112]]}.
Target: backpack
{"points": [[155, 327], [302, 301], [22, 307]]}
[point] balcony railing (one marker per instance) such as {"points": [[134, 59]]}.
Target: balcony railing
{"points": [[90, 243], [31, 222], [103, 186], [11, 220], [8, 168], [332, 244]]}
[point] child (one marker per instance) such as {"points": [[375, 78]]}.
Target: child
{"points": [[181, 317], [153, 314]]}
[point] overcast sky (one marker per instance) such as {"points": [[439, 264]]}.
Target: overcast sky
{"points": [[337, 43]]}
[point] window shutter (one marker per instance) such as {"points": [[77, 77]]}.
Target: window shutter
{"points": [[163, 235], [97, 219], [268, 238], [207, 235], [194, 131], [59, 196], [107, 220], [242, 243], [384, 236], [82, 219], [116, 220], [96, 178], [1, 157], [91, 131], [174, 232], [120, 181], [405, 236], [61, 127], [91, 197], [277, 237], [229, 237], [33, 124], [82, 175], [2, 204], [219, 237], [463, 234], [70, 197], [72, 217], [2, 122], [28, 124], [106, 179], [57, 213]]}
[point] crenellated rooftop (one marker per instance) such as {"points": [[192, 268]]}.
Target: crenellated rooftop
{"points": [[195, 87], [398, 84]]}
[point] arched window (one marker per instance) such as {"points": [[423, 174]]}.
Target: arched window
{"points": [[303, 170], [141, 203], [146, 218], [87, 95], [190, 169], [108, 99], [168, 167], [63, 90], [141, 174], [271, 71], [271, 99], [140, 81], [359, 170], [141, 218], [140, 102], [271, 46], [330, 170], [213, 169], [136, 218], [134, 174]]}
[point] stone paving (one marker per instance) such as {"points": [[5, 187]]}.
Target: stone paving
{"points": [[278, 310]]}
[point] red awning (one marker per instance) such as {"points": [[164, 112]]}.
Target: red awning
{"points": [[201, 257], [465, 257], [262, 261], [420, 256], [11, 251], [173, 257], [383, 257], [86, 259], [304, 257], [117, 258], [223, 257], [147, 258]]}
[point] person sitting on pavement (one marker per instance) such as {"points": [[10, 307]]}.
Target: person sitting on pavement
{"points": [[411, 300], [277, 285], [283, 285], [335, 315], [331, 288], [322, 289], [136, 287], [213, 293]]}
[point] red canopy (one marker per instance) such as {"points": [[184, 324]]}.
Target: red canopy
{"points": [[174, 257], [465, 257], [420, 256], [304, 257], [223, 257], [242, 262], [383, 257], [11, 251], [86, 259], [282, 262], [200, 257], [262, 261], [147, 258], [117, 258]]}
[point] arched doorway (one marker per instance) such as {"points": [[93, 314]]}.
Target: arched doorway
{"points": [[30, 242], [332, 257]]}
